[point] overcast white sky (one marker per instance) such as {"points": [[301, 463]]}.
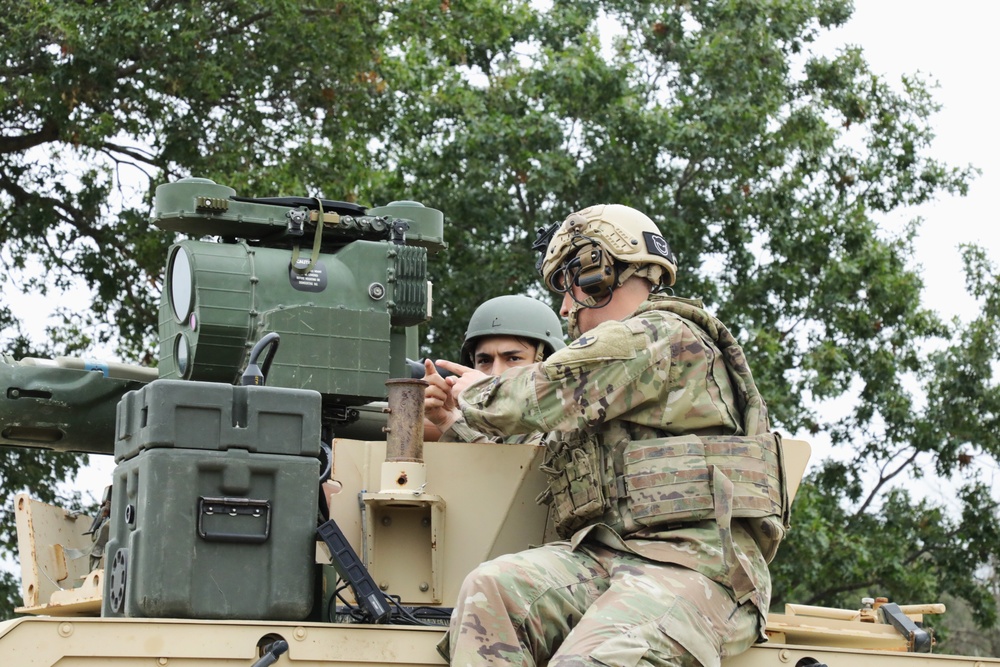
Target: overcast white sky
{"points": [[955, 45]]}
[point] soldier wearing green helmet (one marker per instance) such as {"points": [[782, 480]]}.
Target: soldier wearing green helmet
{"points": [[665, 480], [504, 332]]}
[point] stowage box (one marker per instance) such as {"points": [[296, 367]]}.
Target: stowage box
{"points": [[212, 534], [217, 416]]}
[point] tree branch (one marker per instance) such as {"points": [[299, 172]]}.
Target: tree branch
{"points": [[68, 213], [18, 144], [690, 170], [883, 480], [137, 154]]}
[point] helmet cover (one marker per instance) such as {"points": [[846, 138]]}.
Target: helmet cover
{"points": [[585, 247]]}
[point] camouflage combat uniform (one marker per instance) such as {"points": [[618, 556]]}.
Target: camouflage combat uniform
{"points": [[623, 589]]}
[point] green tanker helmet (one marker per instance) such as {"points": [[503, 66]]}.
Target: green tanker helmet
{"points": [[514, 315]]}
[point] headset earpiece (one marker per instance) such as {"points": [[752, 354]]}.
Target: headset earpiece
{"points": [[596, 276]]}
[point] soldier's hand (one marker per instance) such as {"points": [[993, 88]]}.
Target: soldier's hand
{"points": [[464, 377], [440, 407]]}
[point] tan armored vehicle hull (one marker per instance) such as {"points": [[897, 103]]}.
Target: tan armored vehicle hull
{"points": [[472, 502]]}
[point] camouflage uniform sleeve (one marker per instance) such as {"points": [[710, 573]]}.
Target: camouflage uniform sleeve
{"points": [[460, 431], [613, 369]]}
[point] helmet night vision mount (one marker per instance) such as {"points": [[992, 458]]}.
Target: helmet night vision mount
{"points": [[343, 287]]}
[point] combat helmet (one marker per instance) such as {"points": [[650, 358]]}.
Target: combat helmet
{"points": [[514, 315], [601, 247]]}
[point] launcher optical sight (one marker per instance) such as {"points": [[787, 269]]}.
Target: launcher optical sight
{"points": [[342, 286]]}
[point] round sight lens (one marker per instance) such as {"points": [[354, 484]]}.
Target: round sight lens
{"points": [[180, 284], [182, 352]]}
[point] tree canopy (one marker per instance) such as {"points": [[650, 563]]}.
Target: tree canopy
{"points": [[768, 167]]}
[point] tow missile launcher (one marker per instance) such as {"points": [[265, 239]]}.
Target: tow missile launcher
{"points": [[342, 286]]}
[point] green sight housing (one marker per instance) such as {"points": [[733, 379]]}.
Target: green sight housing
{"points": [[343, 287]]}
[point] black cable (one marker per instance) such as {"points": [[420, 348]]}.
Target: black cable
{"points": [[272, 350], [327, 462], [432, 612], [253, 374], [572, 269], [404, 616], [354, 611], [400, 615]]}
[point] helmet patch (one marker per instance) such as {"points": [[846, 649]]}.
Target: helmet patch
{"points": [[657, 245]]}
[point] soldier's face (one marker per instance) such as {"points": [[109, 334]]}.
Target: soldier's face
{"points": [[495, 354]]}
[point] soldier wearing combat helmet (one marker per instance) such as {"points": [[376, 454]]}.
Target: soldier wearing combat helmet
{"points": [[514, 316], [504, 332], [664, 478]]}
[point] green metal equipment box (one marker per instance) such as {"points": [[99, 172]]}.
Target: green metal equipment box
{"points": [[214, 503], [217, 416]]}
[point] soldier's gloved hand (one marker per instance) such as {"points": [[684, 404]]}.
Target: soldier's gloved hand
{"points": [[440, 407], [464, 378]]}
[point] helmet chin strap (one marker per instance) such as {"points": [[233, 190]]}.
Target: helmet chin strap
{"points": [[573, 317], [573, 325]]}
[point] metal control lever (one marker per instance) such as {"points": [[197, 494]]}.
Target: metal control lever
{"points": [[272, 655], [917, 639]]}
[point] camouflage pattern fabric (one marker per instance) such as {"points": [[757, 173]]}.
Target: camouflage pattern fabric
{"points": [[655, 374], [591, 605], [460, 431]]}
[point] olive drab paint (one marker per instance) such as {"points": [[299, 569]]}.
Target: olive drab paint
{"points": [[342, 285], [214, 502]]}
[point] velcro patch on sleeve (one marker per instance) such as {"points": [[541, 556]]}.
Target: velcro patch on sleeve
{"points": [[607, 342]]}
